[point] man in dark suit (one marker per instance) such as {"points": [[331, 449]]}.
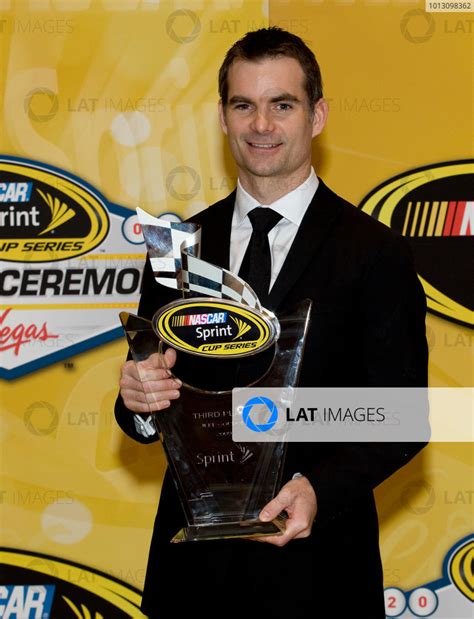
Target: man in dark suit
{"points": [[367, 329]]}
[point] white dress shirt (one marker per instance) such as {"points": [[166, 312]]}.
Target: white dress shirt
{"points": [[292, 208]]}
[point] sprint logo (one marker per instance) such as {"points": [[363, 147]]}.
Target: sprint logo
{"points": [[60, 212], [242, 327]]}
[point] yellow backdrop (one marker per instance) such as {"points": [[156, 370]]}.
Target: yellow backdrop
{"points": [[123, 95]]}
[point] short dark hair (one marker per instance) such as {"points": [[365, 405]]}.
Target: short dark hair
{"points": [[271, 43]]}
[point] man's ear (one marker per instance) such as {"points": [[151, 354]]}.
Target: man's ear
{"points": [[222, 116], [320, 114]]}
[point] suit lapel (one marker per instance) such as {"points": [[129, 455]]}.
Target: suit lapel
{"points": [[315, 226], [216, 224]]}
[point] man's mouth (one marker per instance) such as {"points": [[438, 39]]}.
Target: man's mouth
{"points": [[263, 146]]}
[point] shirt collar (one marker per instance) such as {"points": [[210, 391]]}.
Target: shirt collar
{"points": [[292, 206]]}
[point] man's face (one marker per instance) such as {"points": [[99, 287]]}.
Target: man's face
{"points": [[268, 121]]}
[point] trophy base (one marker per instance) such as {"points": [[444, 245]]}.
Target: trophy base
{"points": [[229, 530]]}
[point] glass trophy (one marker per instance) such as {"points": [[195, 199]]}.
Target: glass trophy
{"points": [[222, 342]]}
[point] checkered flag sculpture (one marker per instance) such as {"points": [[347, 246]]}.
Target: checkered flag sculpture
{"points": [[174, 250]]}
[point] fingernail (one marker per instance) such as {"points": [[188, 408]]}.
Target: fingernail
{"points": [[265, 516], [178, 382]]}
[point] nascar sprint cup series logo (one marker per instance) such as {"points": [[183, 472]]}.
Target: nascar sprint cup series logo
{"points": [[68, 260], [46, 217], [433, 207], [215, 328]]}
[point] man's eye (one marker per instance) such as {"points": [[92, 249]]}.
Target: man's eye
{"points": [[284, 106], [241, 106]]}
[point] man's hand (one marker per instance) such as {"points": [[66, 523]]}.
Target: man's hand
{"points": [[155, 389], [298, 499]]}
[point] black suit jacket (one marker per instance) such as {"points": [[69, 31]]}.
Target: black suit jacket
{"points": [[367, 329]]}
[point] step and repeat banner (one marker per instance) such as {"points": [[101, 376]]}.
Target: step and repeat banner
{"points": [[107, 105]]}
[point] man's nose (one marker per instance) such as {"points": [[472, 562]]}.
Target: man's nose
{"points": [[262, 121]]}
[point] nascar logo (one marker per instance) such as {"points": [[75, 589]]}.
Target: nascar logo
{"points": [[15, 192], [433, 207], [26, 601], [199, 319], [453, 218]]}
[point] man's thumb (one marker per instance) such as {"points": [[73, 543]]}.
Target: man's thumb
{"points": [[170, 357], [270, 511]]}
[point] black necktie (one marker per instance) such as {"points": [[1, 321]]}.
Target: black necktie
{"points": [[256, 266]]}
